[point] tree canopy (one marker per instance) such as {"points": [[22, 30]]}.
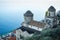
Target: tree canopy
{"points": [[47, 34]]}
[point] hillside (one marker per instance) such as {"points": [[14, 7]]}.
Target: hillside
{"points": [[47, 34]]}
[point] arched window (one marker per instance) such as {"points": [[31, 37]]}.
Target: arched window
{"points": [[59, 22], [48, 21]]}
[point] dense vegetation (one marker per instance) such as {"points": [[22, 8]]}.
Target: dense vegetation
{"points": [[47, 34]]}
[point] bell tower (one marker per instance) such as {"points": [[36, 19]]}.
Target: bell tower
{"points": [[50, 16], [28, 16]]}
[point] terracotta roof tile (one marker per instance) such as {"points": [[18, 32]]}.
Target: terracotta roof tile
{"points": [[37, 24]]}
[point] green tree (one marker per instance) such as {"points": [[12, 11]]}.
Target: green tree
{"points": [[47, 34]]}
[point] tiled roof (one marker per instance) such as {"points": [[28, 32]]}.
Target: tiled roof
{"points": [[51, 8], [37, 24], [28, 13], [11, 38]]}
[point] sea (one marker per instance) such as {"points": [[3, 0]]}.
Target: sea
{"points": [[11, 20]]}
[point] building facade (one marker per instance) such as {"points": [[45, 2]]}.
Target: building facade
{"points": [[51, 19]]}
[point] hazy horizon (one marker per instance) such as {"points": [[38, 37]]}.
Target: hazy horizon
{"points": [[11, 11]]}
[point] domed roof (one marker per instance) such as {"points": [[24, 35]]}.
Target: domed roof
{"points": [[28, 13], [51, 8]]}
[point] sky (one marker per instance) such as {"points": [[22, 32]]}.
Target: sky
{"points": [[11, 11]]}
